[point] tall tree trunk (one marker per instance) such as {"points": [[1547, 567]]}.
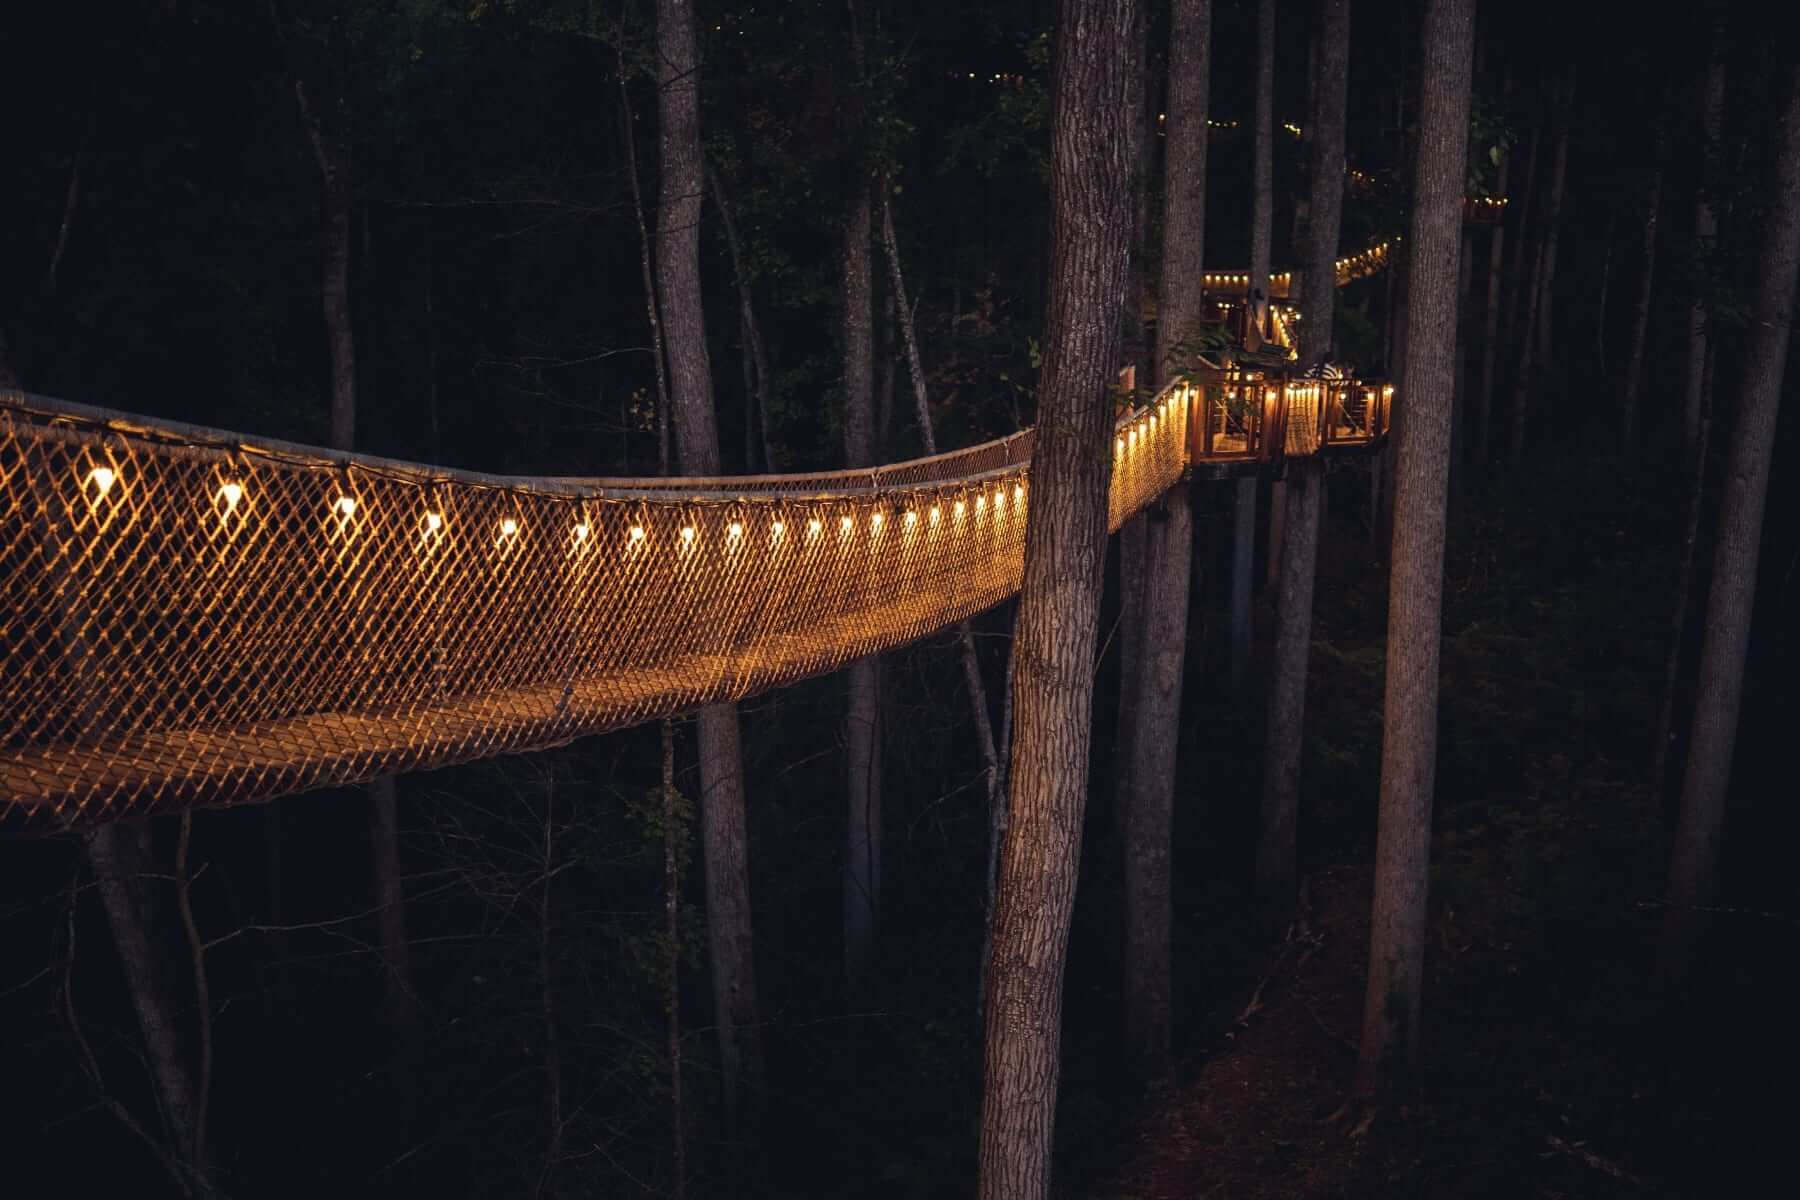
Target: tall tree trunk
{"points": [[1522, 241], [862, 720], [756, 352], [1522, 383], [1277, 871], [1693, 864], [673, 836], [1390, 1034], [1482, 426], [1706, 229], [1150, 808], [331, 151], [1262, 171], [724, 844], [1559, 172], [1065, 560], [1640, 314], [965, 636], [1152, 680], [120, 856]]}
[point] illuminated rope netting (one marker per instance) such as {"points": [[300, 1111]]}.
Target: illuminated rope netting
{"points": [[190, 617]]}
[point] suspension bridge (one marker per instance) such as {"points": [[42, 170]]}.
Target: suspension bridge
{"points": [[192, 617]]}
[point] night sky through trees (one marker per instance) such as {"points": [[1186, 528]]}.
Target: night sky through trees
{"points": [[161, 237]]}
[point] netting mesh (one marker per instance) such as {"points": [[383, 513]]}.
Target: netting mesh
{"points": [[192, 618], [188, 617]]}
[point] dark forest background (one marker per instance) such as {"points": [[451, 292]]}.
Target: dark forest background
{"points": [[159, 241]]}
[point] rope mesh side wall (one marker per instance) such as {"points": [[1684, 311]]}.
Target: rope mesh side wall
{"points": [[189, 618]]}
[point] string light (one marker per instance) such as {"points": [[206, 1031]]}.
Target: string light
{"points": [[736, 530], [508, 527], [231, 493], [875, 520], [845, 524], [581, 532], [814, 525], [102, 479], [934, 514], [777, 528], [346, 506], [687, 533], [435, 522], [637, 533], [912, 518]]}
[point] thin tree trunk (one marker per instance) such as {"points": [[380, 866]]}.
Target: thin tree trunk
{"points": [[1262, 172], [1559, 171], [1693, 864], [332, 155], [1277, 871], [724, 844], [672, 864], [553, 1076], [1065, 561], [1459, 400], [1150, 810], [1522, 241], [1482, 426], [1684, 592], [965, 637], [1522, 383], [756, 355], [1243, 564], [1706, 229], [1640, 315], [120, 856], [862, 721], [1390, 1034]]}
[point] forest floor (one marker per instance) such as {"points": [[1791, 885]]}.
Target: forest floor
{"points": [[1546, 1068]]}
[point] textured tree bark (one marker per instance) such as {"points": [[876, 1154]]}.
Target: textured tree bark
{"points": [[1390, 1030], [332, 154], [1706, 228], [1262, 171], [1150, 810], [1481, 425], [1559, 173], [965, 637], [723, 841], [1640, 315], [1276, 861], [1178, 312], [1522, 240], [1522, 382], [862, 720], [1693, 864], [120, 856], [756, 354], [1065, 560]]}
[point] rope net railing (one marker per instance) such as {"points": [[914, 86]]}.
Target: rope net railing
{"points": [[189, 617]]}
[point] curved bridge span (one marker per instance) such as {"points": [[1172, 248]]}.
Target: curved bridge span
{"points": [[191, 617]]}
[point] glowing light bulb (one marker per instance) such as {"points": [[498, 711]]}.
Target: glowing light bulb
{"points": [[980, 503], [912, 518], [1121, 445], [231, 493], [637, 533], [777, 528], [735, 529], [581, 532], [845, 524], [102, 479], [346, 506], [1018, 491], [508, 527], [934, 514], [433, 522], [814, 525], [959, 508], [875, 520], [687, 533]]}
